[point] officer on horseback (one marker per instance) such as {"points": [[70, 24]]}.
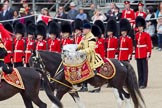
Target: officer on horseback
{"points": [[88, 45], [3, 53]]}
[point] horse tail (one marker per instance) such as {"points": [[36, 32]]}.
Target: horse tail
{"points": [[133, 88], [48, 90]]}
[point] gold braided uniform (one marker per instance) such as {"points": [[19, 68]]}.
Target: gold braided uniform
{"points": [[88, 45]]}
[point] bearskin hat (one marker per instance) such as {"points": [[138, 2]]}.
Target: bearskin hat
{"points": [[66, 27], [42, 23], [20, 28], [101, 25], [96, 31], [14, 24], [53, 28], [28, 22], [140, 21], [41, 30], [31, 28], [125, 25], [78, 24], [8, 27], [111, 26]]}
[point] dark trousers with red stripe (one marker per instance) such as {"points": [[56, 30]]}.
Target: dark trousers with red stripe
{"points": [[142, 67]]}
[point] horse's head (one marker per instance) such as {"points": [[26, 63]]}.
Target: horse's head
{"points": [[36, 61]]}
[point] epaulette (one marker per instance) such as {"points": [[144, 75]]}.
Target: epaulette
{"points": [[91, 37]]}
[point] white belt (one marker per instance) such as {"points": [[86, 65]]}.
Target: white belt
{"points": [[9, 51], [129, 19], [110, 49], [123, 48], [18, 51], [27, 51], [141, 46]]}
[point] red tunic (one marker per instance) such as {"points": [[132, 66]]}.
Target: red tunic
{"points": [[144, 45], [143, 14], [8, 45], [100, 47], [77, 39], [126, 48], [18, 50], [54, 45], [41, 45], [112, 45], [129, 14], [66, 41], [30, 46]]}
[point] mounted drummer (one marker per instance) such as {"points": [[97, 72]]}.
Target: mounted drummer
{"points": [[88, 45]]}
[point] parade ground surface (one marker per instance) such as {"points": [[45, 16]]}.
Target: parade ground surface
{"points": [[105, 99]]}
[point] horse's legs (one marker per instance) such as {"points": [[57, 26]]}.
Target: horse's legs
{"points": [[76, 98], [119, 97], [59, 95], [27, 101], [127, 99], [39, 103]]}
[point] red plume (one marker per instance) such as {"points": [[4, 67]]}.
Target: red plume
{"points": [[4, 34]]}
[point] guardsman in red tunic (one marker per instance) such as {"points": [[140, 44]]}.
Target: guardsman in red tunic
{"points": [[8, 43], [54, 44], [19, 44], [97, 32], [128, 13], [101, 25], [140, 11], [143, 52], [9, 47], [78, 26], [66, 33], [3, 67], [126, 45], [30, 42], [112, 40], [100, 41], [41, 44]]}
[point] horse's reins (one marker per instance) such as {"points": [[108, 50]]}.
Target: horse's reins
{"points": [[57, 72]]}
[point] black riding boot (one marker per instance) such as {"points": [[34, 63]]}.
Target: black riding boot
{"points": [[84, 87]]}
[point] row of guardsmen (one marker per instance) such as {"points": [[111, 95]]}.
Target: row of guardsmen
{"points": [[19, 48]]}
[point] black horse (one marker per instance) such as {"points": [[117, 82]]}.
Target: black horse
{"points": [[125, 76], [31, 79]]}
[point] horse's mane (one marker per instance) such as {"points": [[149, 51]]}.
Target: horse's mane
{"points": [[50, 57]]}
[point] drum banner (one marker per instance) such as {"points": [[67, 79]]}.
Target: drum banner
{"points": [[14, 79], [107, 70], [75, 74]]}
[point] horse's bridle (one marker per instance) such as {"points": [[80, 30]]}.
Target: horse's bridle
{"points": [[42, 65], [39, 59]]}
